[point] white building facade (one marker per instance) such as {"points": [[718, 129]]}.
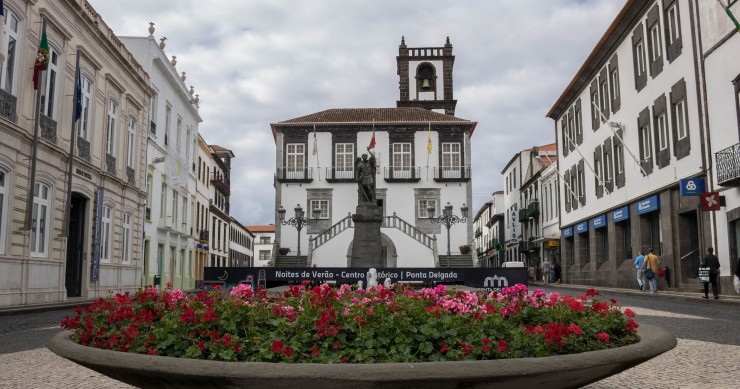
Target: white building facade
{"points": [[95, 250], [264, 243], [169, 239], [629, 128]]}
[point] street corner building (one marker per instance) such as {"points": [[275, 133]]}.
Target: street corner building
{"points": [[92, 102], [645, 131], [422, 159]]}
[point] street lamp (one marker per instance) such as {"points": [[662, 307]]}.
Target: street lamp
{"points": [[299, 221], [448, 219]]}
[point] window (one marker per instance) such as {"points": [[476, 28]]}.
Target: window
{"points": [[672, 20], [655, 46], [451, 160], [614, 81], [604, 97], [655, 49], [48, 85], [106, 234], [7, 72], [662, 132], [264, 255], [423, 204], [110, 135], [640, 58], [647, 142], [344, 160], [321, 205], [3, 209], [581, 185], [401, 160], [131, 143], [184, 214], [295, 160], [153, 114], [680, 124], [126, 248], [187, 148], [174, 209], [163, 202], [167, 119], [265, 240], [619, 158], [608, 169], [149, 179], [39, 221], [84, 123]]}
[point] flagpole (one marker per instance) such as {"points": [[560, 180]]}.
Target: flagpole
{"points": [[429, 134], [72, 136], [34, 147]]}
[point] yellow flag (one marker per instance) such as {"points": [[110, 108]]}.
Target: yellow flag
{"points": [[429, 139]]}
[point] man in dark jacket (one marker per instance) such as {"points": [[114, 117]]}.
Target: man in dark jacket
{"points": [[712, 262]]}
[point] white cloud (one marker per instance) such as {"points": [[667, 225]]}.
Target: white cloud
{"points": [[258, 62]]}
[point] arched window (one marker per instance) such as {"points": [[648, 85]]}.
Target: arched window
{"points": [[425, 77], [49, 85]]}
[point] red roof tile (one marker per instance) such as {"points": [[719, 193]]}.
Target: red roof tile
{"points": [[267, 228], [377, 115]]}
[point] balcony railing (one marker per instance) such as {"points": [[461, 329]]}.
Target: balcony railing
{"points": [[451, 173], [110, 164], [533, 209], [203, 235], [523, 215], [48, 128], [340, 174], [526, 245], [293, 174], [728, 166], [8, 104], [83, 148], [402, 173]]}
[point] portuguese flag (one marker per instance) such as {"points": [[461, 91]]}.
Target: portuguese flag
{"points": [[42, 60]]}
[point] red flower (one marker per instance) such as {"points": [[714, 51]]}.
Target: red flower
{"points": [[315, 351], [592, 292], [502, 345], [603, 336], [574, 328], [444, 347], [631, 326], [629, 313], [277, 346], [287, 351]]}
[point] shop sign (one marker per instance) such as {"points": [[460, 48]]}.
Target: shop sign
{"points": [[599, 221], [621, 214], [568, 232], [582, 227], [691, 186], [648, 205]]}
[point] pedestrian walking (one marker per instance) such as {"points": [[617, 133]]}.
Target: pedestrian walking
{"points": [[557, 270], [650, 265], [736, 281], [712, 262], [639, 260], [546, 267]]}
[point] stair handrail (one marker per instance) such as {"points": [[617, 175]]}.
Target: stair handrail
{"points": [[408, 229], [337, 228]]}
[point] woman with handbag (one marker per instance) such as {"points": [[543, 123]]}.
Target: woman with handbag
{"points": [[651, 264]]}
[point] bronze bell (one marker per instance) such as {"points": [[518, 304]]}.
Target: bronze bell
{"points": [[425, 84]]}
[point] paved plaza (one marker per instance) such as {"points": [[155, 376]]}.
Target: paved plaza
{"points": [[707, 355]]}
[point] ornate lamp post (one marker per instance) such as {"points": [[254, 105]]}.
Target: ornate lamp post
{"points": [[448, 219], [299, 221]]}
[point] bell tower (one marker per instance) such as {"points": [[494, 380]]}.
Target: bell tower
{"points": [[425, 77]]}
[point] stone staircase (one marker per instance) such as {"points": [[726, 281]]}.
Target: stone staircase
{"points": [[291, 261], [456, 261]]}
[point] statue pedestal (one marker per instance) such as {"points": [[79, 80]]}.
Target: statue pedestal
{"points": [[366, 251]]}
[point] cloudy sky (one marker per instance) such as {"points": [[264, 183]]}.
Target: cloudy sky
{"points": [[259, 62]]}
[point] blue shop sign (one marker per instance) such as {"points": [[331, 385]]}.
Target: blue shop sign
{"points": [[582, 227], [648, 205], [568, 232], [621, 214], [691, 186], [599, 221]]}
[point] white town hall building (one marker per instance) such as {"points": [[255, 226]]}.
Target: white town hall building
{"points": [[423, 159]]}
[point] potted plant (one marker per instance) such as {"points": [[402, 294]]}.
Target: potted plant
{"points": [[284, 250], [351, 337], [464, 249]]}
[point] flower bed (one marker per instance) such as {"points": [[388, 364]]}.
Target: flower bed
{"points": [[341, 325]]}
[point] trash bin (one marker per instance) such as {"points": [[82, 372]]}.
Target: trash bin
{"points": [[157, 280]]}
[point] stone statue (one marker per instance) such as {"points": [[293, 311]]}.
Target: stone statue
{"points": [[372, 278], [359, 284], [387, 283], [365, 177]]}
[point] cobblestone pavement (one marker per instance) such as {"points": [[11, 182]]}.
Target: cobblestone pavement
{"points": [[707, 354]]}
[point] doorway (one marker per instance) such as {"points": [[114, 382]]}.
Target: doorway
{"points": [[688, 243], [75, 246]]}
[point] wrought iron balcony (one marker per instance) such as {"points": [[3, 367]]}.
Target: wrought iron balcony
{"points": [[533, 209], [523, 215], [294, 174], [48, 128], [221, 182], [402, 174], [340, 174], [203, 236], [83, 148], [110, 164], [8, 104], [452, 173], [728, 166]]}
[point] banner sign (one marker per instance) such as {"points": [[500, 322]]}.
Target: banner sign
{"points": [[95, 265], [485, 278], [568, 232], [621, 214], [710, 201], [582, 227], [691, 186], [647, 205], [599, 221], [514, 238]]}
